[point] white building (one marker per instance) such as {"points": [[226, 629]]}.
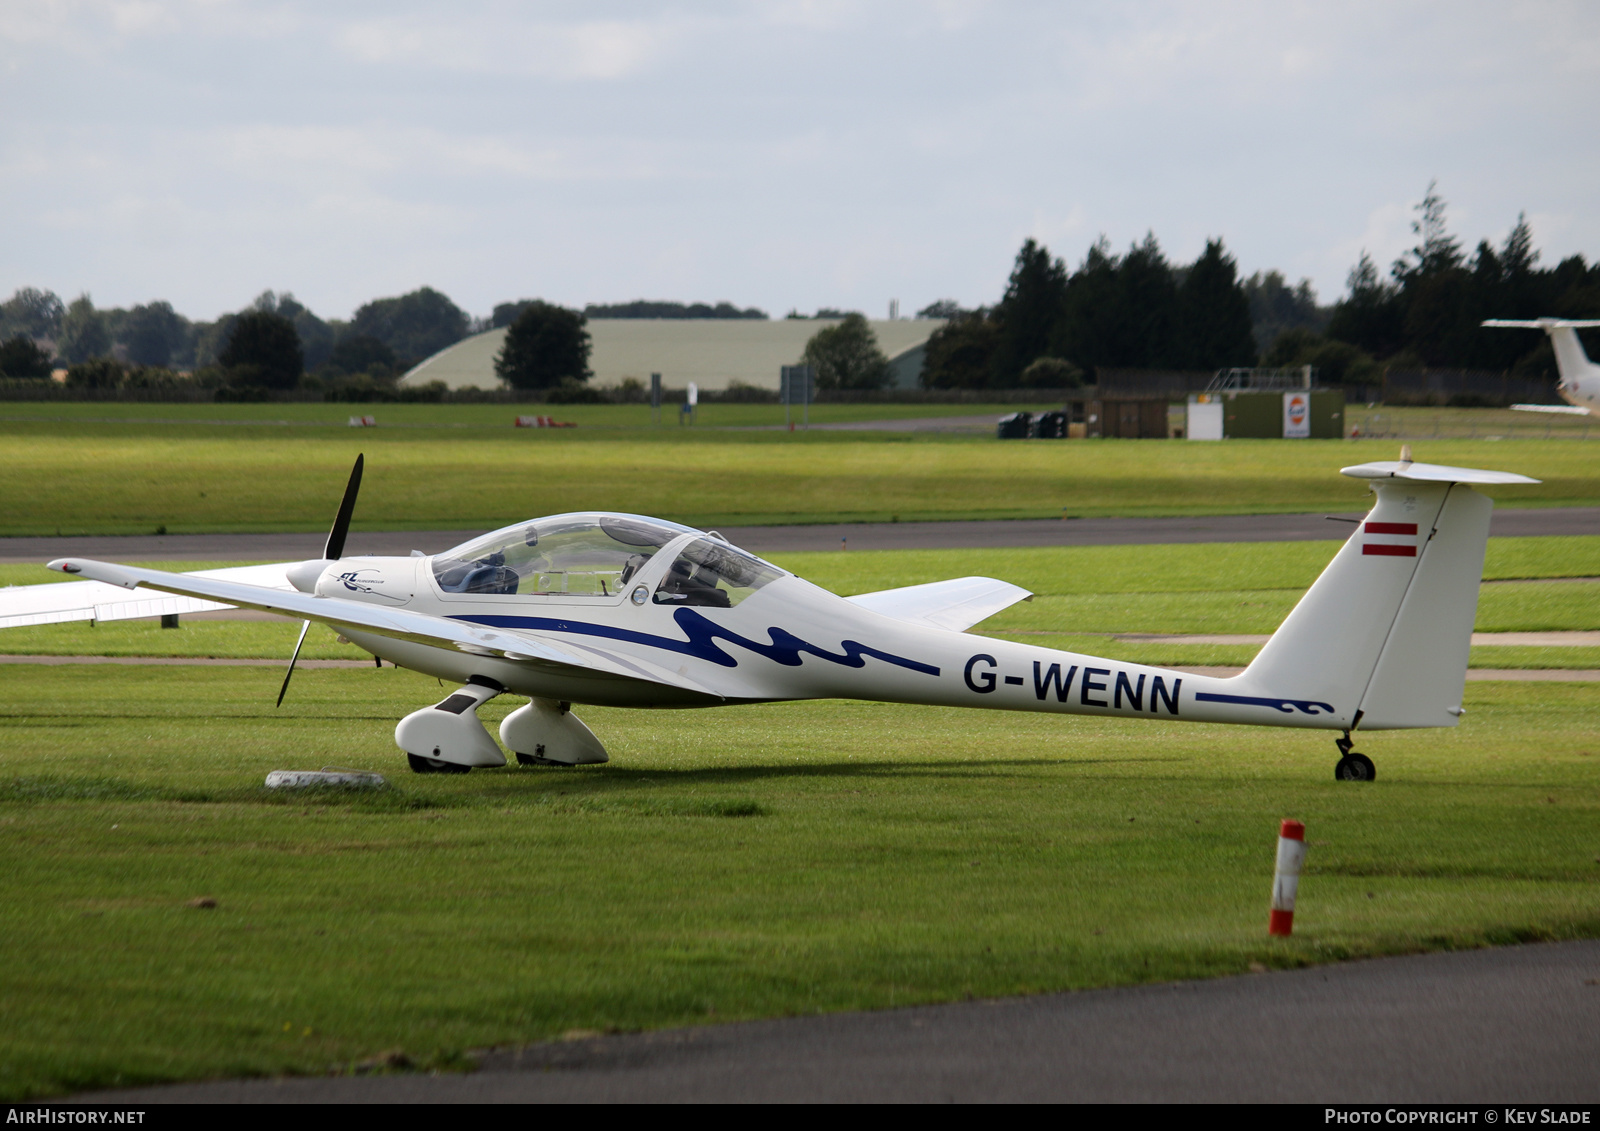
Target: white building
{"points": [[711, 352]]}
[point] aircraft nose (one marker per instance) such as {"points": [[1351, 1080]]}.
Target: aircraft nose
{"points": [[303, 575]]}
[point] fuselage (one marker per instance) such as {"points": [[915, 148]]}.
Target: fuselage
{"points": [[1580, 377], [786, 640]]}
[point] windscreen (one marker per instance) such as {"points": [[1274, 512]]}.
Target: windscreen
{"points": [[581, 554], [713, 574]]}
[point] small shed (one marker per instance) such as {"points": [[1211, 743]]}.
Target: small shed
{"points": [[1122, 418]]}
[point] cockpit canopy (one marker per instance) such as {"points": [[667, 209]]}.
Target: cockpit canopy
{"points": [[714, 574], [596, 555], [591, 554]]}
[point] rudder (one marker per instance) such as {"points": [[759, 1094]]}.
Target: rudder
{"points": [[1384, 634], [1422, 670]]}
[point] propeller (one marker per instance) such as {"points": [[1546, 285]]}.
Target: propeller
{"points": [[282, 691], [332, 550]]}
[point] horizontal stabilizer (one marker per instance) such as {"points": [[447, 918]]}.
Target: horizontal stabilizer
{"points": [[1430, 473], [955, 605], [1541, 323], [1561, 409]]}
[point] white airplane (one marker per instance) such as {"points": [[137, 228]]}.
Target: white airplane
{"points": [[1580, 377], [626, 611]]}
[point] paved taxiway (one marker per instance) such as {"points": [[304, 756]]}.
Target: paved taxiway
{"points": [[983, 534], [1509, 1025]]}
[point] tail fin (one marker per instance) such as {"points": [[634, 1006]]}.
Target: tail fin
{"points": [[1383, 634], [1571, 362]]}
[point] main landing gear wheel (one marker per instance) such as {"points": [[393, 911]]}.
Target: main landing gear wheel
{"points": [[1352, 766], [420, 765], [1355, 767]]}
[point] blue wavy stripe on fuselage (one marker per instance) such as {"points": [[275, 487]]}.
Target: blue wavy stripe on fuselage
{"points": [[702, 635], [1287, 706]]}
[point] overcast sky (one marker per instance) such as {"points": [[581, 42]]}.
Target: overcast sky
{"points": [[771, 154]]}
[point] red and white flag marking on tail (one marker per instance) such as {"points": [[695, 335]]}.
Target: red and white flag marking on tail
{"points": [[1389, 549]]}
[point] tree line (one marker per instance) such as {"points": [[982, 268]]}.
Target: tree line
{"points": [[1054, 327], [275, 344], [1428, 312]]}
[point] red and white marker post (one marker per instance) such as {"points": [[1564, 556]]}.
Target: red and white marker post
{"points": [[1286, 877]]}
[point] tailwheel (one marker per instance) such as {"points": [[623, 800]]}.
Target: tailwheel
{"points": [[420, 765]]}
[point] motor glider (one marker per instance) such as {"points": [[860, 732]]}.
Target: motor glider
{"points": [[623, 610]]}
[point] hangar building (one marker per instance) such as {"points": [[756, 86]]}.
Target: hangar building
{"points": [[711, 352]]}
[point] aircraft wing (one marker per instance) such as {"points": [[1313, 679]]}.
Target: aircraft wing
{"points": [[23, 605], [956, 605], [533, 649]]}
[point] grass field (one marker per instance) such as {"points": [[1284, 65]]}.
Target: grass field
{"points": [[727, 864], [480, 417], [455, 467], [746, 862]]}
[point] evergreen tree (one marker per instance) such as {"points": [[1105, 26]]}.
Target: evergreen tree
{"points": [[1275, 307], [1213, 314], [1518, 256], [1145, 315], [1437, 250], [1027, 314], [847, 356], [545, 346], [1371, 317], [1086, 331]]}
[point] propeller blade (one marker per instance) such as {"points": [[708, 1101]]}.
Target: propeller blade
{"points": [[334, 549], [304, 628]]}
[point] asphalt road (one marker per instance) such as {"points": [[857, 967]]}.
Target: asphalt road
{"points": [[1510, 1025], [778, 539]]}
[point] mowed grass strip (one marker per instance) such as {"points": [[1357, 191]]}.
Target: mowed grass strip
{"points": [[1060, 570], [727, 864], [133, 478]]}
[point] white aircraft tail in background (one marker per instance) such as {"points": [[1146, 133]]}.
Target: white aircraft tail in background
{"points": [[1580, 377]]}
